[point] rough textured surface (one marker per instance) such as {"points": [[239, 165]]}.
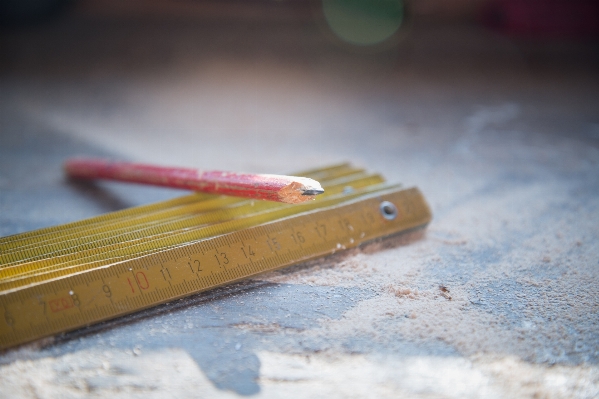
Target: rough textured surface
{"points": [[498, 298]]}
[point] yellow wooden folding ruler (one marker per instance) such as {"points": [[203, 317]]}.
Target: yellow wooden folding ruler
{"points": [[61, 278]]}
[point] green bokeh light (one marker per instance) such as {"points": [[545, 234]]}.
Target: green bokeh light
{"points": [[363, 22]]}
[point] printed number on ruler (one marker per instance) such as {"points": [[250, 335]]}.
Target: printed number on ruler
{"points": [[78, 300]]}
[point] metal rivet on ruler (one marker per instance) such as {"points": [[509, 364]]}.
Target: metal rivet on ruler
{"points": [[388, 210]]}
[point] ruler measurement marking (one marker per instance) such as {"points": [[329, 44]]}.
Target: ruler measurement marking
{"points": [[285, 229]]}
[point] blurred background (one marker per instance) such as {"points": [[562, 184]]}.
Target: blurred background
{"points": [[277, 86]]}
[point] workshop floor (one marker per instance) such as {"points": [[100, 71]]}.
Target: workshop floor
{"points": [[501, 136]]}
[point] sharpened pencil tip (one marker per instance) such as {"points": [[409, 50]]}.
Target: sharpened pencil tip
{"points": [[312, 192], [301, 189]]}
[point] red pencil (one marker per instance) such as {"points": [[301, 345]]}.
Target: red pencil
{"points": [[288, 189]]}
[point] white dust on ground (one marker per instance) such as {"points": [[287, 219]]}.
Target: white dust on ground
{"points": [[421, 377], [118, 374], [137, 373]]}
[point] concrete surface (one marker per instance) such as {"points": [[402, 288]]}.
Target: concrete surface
{"points": [[497, 299]]}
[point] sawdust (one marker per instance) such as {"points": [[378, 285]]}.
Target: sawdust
{"points": [[139, 373], [270, 328], [403, 292], [421, 377], [116, 374]]}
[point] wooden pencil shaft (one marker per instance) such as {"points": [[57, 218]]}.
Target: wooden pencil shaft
{"points": [[280, 188]]}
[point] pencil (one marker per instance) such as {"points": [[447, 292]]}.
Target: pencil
{"points": [[288, 189]]}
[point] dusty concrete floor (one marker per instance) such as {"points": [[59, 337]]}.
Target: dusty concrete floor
{"points": [[502, 137]]}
